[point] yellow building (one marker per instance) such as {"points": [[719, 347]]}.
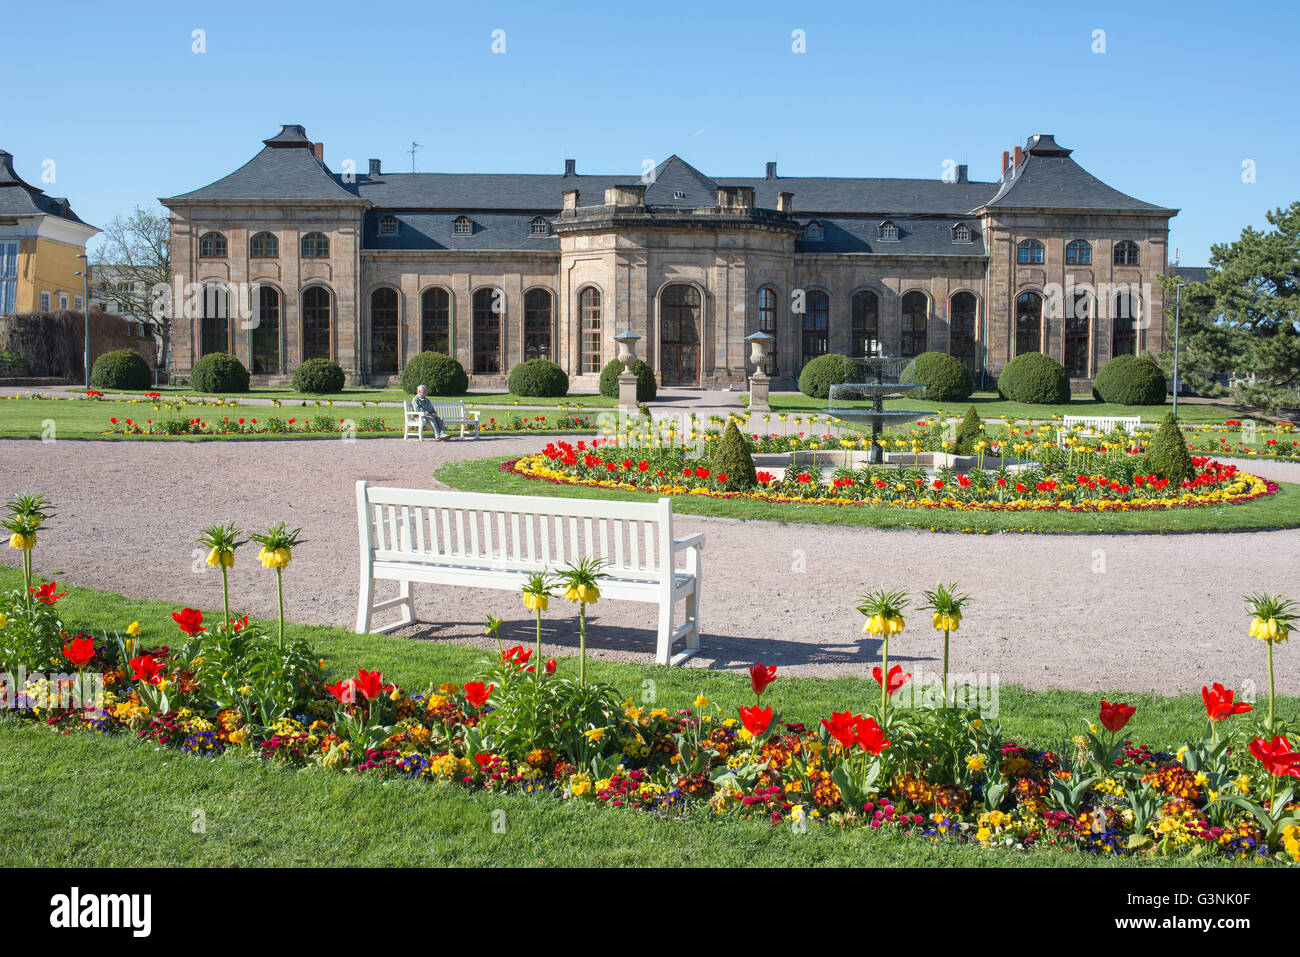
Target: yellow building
{"points": [[40, 238]]}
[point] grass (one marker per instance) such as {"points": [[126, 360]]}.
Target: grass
{"points": [[394, 396], [81, 800], [1277, 511]]}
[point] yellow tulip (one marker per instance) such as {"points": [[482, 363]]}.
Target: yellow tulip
{"points": [[133, 629]]}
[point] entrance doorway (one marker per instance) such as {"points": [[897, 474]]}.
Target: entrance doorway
{"points": [[679, 335]]}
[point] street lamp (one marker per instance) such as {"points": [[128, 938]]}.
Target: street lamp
{"points": [[85, 309], [1178, 302]]}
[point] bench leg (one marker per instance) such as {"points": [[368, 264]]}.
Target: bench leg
{"points": [[364, 604], [664, 648], [693, 619]]}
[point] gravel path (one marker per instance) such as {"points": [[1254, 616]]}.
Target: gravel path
{"points": [[1139, 613]]}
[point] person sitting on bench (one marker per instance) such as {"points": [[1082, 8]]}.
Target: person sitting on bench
{"points": [[423, 403]]}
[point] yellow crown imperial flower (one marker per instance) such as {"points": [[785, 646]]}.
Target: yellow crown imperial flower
{"points": [[224, 556], [25, 542], [536, 602], [277, 558], [944, 622]]}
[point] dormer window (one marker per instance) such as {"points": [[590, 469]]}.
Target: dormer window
{"points": [[887, 231], [961, 233], [388, 226], [679, 194], [540, 227], [462, 226], [813, 230]]}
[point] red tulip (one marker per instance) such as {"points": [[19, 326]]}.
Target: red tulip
{"points": [[517, 656], [45, 594], [345, 691], [755, 719], [1219, 703], [760, 676], [484, 759], [239, 624], [550, 666], [477, 694], [1115, 716], [841, 727], [896, 677], [190, 620], [369, 683], [79, 651], [146, 669], [1277, 756], [869, 735]]}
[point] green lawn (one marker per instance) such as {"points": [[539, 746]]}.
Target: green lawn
{"points": [[89, 801], [394, 396], [1277, 511]]}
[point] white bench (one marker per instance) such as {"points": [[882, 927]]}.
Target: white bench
{"points": [[452, 414], [496, 541], [1096, 424]]}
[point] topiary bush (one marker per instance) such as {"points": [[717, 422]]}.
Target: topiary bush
{"points": [[1167, 455], [1130, 380], [1036, 379], [318, 376], [945, 379], [540, 378], [120, 369], [732, 459], [969, 431], [646, 387], [825, 371], [219, 372], [440, 374]]}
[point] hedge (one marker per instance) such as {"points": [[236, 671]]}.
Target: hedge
{"points": [[945, 379], [219, 372], [825, 371], [1130, 380], [318, 376], [540, 378], [120, 369], [1035, 379], [646, 387], [440, 374]]}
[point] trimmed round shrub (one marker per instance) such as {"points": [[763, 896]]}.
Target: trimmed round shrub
{"points": [[1167, 455], [219, 372], [1130, 380], [540, 378], [945, 379], [732, 459], [969, 431], [646, 388], [825, 371], [121, 369], [318, 376], [440, 374], [1036, 379]]}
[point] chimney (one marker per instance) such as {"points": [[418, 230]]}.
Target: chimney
{"points": [[570, 200], [1019, 158], [376, 167], [319, 150], [571, 167], [633, 195], [785, 202], [771, 171], [961, 174], [1006, 158]]}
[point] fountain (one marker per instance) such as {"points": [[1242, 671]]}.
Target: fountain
{"points": [[879, 367]]}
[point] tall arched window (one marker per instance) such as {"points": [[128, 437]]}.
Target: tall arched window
{"points": [[1029, 251], [488, 304], [315, 246], [435, 321], [383, 331], [266, 332], [212, 246], [865, 311], [1077, 319], [264, 246], [1078, 253], [767, 323], [1126, 253], [915, 310], [680, 320], [1124, 328], [961, 329], [214, 324], [816, 324], [1029, 323], [537, 324], [589, 313], [317, 321]]}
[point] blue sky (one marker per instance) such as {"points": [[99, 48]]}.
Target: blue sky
{"points": [[1183, 94]]}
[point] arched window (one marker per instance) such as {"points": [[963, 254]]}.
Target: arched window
{"points": [[1029, 323], [961, 233], [537, 324], [1029, 251], [816, 324], [589, 313], [266, 331], [1124, 327], [1078, 253], [388, 226], [1077, 319], [540, 227], [915, 310], [887, 231], [214, 324], [488, 304], [383, 331], [315, 246], [865, 311], [317, 321], [462, 226], [680, 316], [813, 230], [212, 246], [1126, 253], [961, 329], [264, 246], [767, 323], [435, 321]]}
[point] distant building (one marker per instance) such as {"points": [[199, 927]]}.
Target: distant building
{"points": [[40, 237], [370, 268]]}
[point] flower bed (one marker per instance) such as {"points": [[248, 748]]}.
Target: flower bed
{"points": [[250, 425]]}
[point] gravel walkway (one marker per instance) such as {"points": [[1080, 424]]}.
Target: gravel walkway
{"points": [[1140, 613]]}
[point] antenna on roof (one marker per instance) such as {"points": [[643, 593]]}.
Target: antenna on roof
{"points": [[415, 147]]}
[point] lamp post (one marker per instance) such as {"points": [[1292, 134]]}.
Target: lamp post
{"points": [[85, 309], [1178, 302]]}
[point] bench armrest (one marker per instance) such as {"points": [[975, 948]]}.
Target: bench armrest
{"points": [[690, 541], [471, 412]]}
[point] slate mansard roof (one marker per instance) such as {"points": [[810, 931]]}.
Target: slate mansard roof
{"points": [[18, 198], [502, 206]]}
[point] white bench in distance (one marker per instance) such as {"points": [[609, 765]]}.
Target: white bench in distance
{"points": [[495, 541], [452, 414], [1099, 424]]}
